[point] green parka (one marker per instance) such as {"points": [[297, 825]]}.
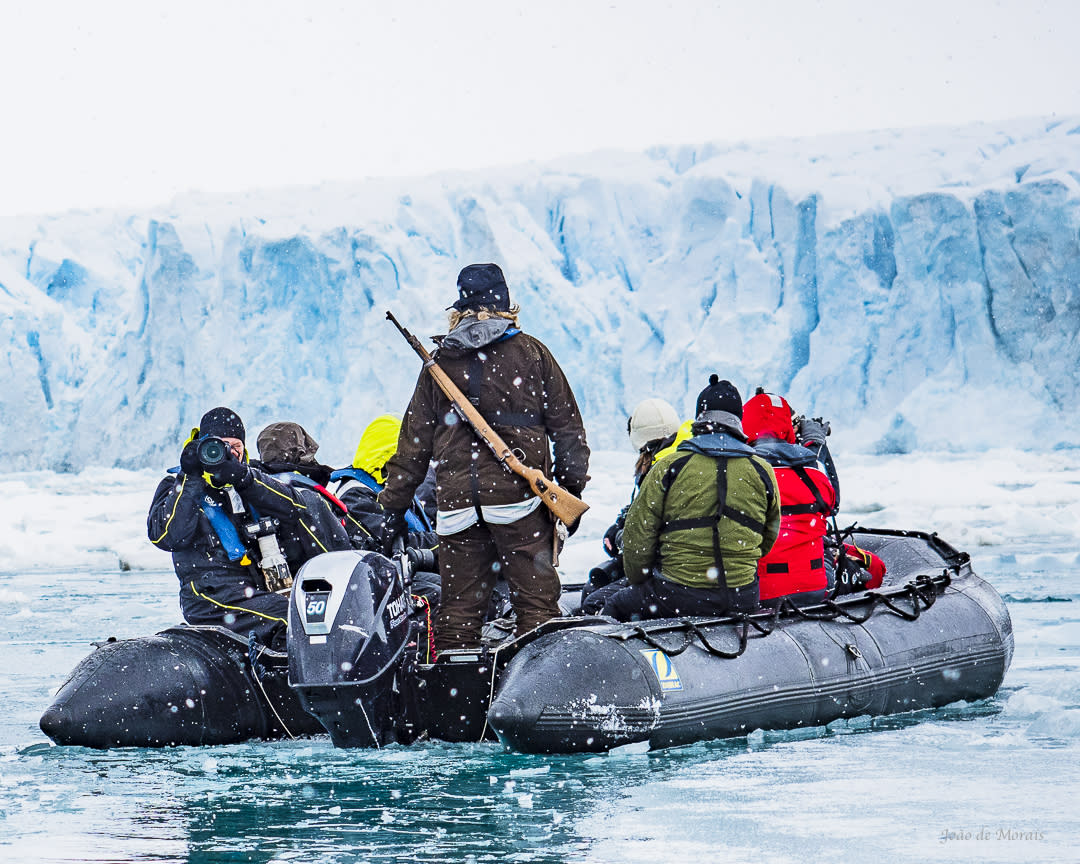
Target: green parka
{"points": [[672, 524]]}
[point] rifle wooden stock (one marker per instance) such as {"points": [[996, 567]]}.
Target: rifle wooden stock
{"points": [[566, 507]]}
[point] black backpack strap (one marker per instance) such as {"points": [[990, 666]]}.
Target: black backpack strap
{"points": [[516, 418], [745, 519], [666, 481], [766, 482], [672, 472], [721, 511], [819, 505], [474, 378], [799, 509], [475, 373]]}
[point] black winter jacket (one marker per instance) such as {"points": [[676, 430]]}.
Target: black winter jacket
{"points": [[209, 580]]}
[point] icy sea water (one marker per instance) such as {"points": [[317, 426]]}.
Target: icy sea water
{"points": [[993, 781]]}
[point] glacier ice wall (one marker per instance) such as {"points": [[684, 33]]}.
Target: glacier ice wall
{"points": [[919, 288]]}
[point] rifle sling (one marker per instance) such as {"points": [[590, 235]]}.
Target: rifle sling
{"points": [[475, 379]]}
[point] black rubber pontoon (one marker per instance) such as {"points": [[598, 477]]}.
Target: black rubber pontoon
{"points": [[943, 636], [184, 685]]}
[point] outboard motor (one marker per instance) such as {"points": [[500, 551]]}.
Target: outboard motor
{"points": [[350, 624]]}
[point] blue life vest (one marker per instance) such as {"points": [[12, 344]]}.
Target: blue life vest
{"points": [[415, 517], [221, 523], [224, 528]]}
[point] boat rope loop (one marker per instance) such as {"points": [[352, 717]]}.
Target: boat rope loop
{"points": [[922, 590], [922, 593], [423, 603], [690, 629], [744, 633], [255, 651], [491, 692]]}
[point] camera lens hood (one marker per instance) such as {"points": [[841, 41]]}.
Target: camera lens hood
{"points": [[212, 452]]}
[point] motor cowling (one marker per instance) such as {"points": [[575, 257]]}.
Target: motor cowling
{"points": [[349, 626]]}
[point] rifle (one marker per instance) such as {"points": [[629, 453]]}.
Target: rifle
{"points": [[566, 507]]}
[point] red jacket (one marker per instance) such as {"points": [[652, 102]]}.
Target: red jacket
{"points": [[796, 562]]}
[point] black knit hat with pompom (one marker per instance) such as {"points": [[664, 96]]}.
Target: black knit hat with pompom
{"points": [[719, 396]]}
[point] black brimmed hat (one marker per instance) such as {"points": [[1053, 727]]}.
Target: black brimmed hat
{"points": [[482, 285]]}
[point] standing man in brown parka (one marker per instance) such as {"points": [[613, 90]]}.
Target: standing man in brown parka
{"points": [[489, 522]]}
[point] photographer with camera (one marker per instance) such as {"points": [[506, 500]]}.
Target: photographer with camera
{"points": [[805, 565], [797, 567], [236, 533]]}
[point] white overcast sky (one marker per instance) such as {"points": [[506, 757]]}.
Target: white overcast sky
{"points": [[129, 103]]}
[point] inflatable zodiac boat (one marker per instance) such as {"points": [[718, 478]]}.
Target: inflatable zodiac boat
{"points": [[360, 665]]}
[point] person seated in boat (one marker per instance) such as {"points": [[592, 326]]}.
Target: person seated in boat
{"points": [[358, 488], [797, 566], [287, 448], [805, 560], [359, 485], [652, 427], [218, 520], [287, 451], [702, 518]]}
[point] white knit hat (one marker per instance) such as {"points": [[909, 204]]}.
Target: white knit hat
{"points": [[653, 418]]}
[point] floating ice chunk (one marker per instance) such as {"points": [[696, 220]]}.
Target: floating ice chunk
{"points": [[530, 772], [637, 748]]}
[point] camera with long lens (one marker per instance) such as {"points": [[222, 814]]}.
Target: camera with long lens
{"points": [[212, 452], [423, 559], [272, 563]]}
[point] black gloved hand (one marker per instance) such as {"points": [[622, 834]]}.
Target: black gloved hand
{"points": [[189, 459], [231, 472], [850, 578], [613, 535], [393, 527], [812, 432], [610, 538]]}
